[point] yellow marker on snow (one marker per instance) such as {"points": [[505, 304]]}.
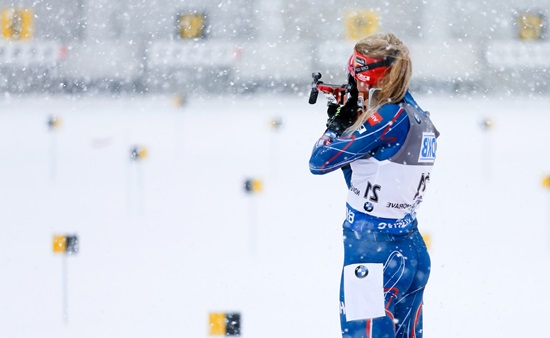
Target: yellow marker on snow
{"points": [[67, 244], [276, 123], [217, 324], [253, 185], [487, 124], [59, 243], [224, 324], [54, 122], [138, 153], [179, 100]]}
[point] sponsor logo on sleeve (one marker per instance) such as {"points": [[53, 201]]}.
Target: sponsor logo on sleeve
{"points": [[427, 148], [374, 119]]}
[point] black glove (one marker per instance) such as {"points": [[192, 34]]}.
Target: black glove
{"points": [[343, 117], [353, 92], [332, 109]]}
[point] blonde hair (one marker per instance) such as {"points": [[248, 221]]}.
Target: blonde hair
{"points": [[395, 82]]}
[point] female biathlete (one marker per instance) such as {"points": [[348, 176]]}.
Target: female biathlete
{"points": [[385, 145]]}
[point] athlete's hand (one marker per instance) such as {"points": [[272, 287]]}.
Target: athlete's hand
{"points": [[332, 109], [352, 86], [344, 116]]}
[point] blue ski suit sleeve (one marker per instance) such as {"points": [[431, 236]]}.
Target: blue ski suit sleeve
{"points": [[381, 136], [347, 174]]}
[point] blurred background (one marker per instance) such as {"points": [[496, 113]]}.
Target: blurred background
{"points": [[243, 46], [154, 179]]}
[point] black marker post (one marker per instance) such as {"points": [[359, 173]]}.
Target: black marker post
{"points": [[66, 245], [252, 187]]}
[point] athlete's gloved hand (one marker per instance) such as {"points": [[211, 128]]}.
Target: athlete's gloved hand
{"points": [[332, 109], [344, 116], [353, 92]]}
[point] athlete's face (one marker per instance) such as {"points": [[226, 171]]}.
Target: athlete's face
{"points": [[363, 87], [367, 71], [362, 78]]}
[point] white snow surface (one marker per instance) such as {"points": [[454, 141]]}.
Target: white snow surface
{"points": [[166, 240]]}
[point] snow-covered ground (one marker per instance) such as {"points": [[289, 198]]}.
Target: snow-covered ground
{"points": [[166, 240]]}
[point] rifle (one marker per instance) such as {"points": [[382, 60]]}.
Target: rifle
{"points": [[336, 94]]}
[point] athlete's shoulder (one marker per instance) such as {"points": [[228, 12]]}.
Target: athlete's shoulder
{"points": [[409, 99], [390, 109], [389, 112], [425, 115]]}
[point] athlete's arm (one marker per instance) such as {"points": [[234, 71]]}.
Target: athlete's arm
{"points": [[383, 128], [347, 174]]}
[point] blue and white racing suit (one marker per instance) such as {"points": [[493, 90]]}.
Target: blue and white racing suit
{"points": [[387, 164]]}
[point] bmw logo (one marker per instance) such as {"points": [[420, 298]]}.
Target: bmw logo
{"points": [[361, 271], [369, 207]]}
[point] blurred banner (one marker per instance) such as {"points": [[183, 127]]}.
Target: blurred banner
{"points": [[531, 26], [360, 23], [17, 23], [191, 25]]}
